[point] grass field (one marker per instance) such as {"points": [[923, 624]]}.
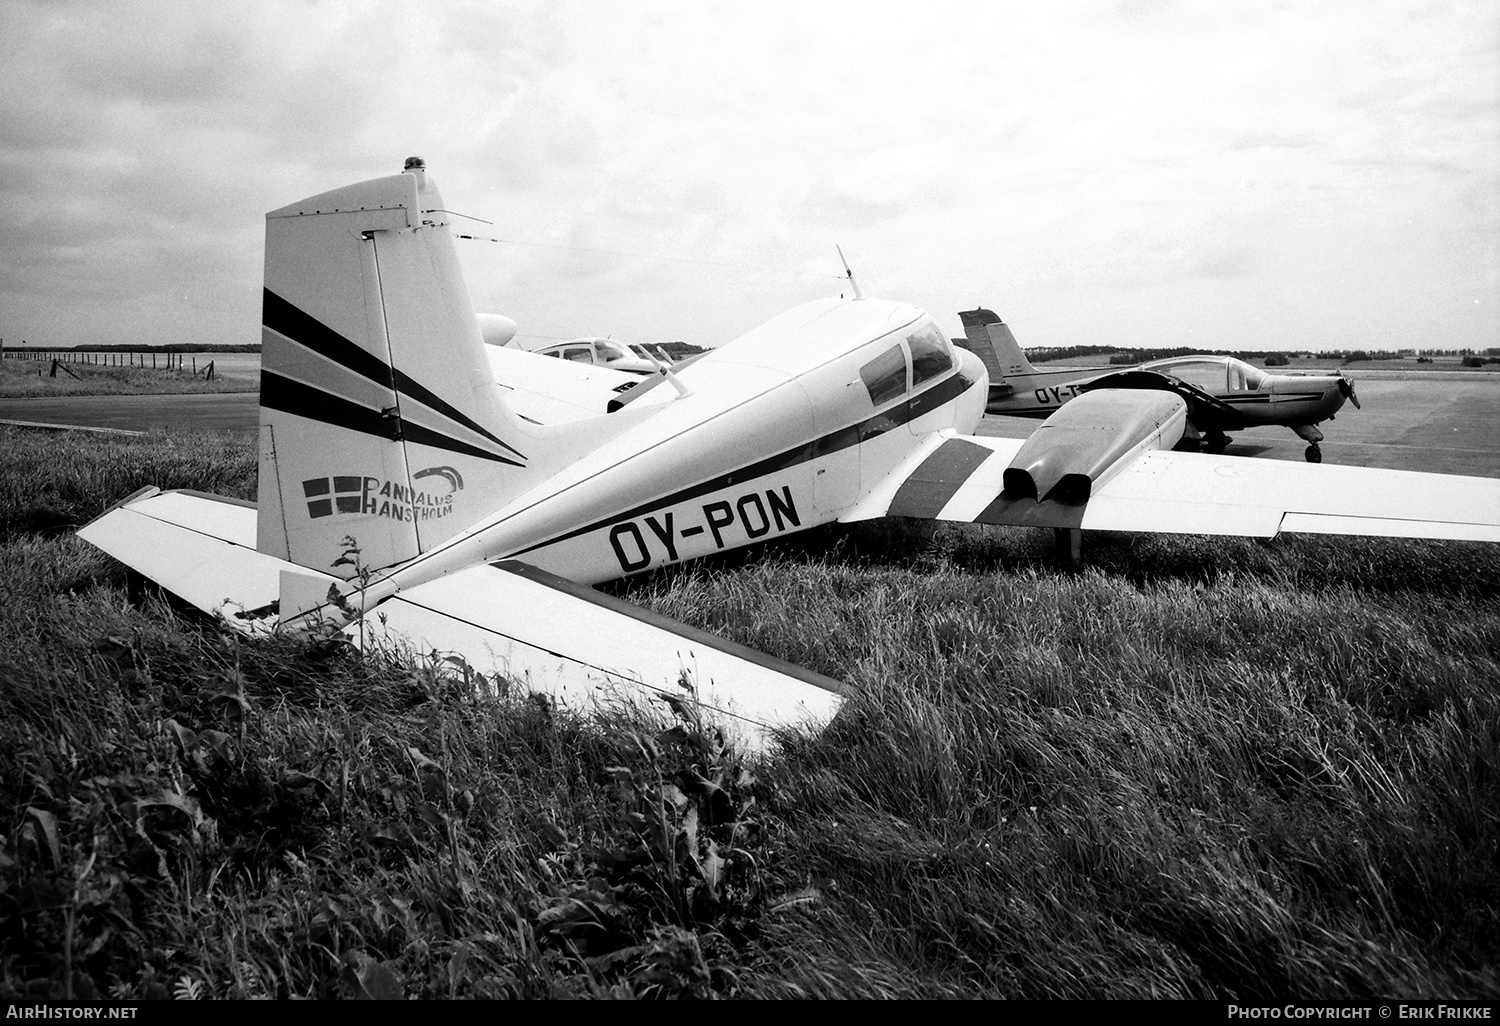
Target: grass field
{"points": [[1193, 768], [27, 378]]}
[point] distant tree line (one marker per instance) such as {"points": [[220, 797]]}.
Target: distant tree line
{"points": [[96, 347], [677, 350], [1114, 355], [176, 347]]}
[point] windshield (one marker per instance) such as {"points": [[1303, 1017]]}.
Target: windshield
{"points": [[929, 354], [1213, 374]]}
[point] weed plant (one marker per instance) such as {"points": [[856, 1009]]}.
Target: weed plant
{"points": [[1191, 768]]}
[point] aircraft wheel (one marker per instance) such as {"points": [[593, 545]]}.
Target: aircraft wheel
{"points": [[1314, 454]]}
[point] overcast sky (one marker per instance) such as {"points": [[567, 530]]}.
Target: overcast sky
{"points": [[1251, 175]]}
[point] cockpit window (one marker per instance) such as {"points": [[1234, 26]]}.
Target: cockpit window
{"points": [[609, 351], [885, 376], [1209, 375], [1242, 376], [930, 356]]}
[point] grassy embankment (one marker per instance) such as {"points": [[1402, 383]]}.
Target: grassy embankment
{"points": [[1194, 768], [27, 378]]}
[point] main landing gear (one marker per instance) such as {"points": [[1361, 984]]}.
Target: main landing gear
{"points": [[1314, 454]]}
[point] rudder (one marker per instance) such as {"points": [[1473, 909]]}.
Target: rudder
{"points": [[991, 340]]}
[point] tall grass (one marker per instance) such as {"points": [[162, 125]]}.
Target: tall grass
{"points": [[1189, 769], [33, 378]]}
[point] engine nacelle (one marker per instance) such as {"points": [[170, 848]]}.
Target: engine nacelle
{"points": [[496, 329], [1091, 437]]}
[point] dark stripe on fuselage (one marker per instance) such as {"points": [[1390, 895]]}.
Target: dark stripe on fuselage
{"points": [[305, 330], [940, 476], [289, 396], [1280, 397], [835, 441]]}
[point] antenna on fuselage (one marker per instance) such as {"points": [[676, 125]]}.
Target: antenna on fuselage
{"points": [[849, 274]]}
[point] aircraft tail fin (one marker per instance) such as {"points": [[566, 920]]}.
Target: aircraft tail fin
{"points": [[991, 340], [383, 432]]}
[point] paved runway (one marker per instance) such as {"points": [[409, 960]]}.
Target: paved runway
{"points": [[1441, 422], [234, 413], [1444, 422]]}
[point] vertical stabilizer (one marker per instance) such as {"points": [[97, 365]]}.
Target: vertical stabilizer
{"points": [[380, 417], [991, 340]]}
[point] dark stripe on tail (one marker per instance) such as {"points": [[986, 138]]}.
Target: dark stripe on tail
{"points": [[306, 330], [288, 396]]}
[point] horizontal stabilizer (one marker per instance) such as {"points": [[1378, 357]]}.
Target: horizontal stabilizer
{"points": [[590, 651], [199, 547], [585, 649], [302, 592]]}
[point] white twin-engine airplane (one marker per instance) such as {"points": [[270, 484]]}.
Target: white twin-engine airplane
{"points": [[485, 487]]}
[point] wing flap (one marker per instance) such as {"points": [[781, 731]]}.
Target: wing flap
{"points": [[1198, 493]]}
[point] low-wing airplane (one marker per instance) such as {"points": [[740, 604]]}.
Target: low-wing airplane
{"points": [[1223, 393], [432, 491], [603, 351]]}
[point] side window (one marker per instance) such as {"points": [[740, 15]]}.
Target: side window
{"points": [[929, 355], [885, 376], [579, 355], [1211, 377]]}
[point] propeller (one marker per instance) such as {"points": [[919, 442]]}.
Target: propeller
{"points": [[1347, 387]]}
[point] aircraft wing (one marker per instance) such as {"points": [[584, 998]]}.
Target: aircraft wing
{"points": [[547, 390], [587, 650], [1197, 399], [962, 478]]}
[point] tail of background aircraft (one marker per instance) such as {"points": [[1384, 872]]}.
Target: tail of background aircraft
{"points": [[990, 339], [380, 418]]}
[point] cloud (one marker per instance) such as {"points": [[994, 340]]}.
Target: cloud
{"points": [[1080, 161]]}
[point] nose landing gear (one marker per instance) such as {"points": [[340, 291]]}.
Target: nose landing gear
{"points": [[1309, 433]]}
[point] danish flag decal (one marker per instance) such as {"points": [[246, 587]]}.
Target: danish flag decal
{"points": [[362, 495]]}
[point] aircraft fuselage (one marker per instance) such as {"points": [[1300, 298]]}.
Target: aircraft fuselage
{"points": [[809, 411], [1249, 397]]}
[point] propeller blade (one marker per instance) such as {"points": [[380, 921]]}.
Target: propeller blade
{"points": [[1347, 387]]}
